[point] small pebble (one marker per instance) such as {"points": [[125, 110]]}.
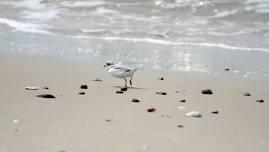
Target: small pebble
{"points": [[247, 94], [124, 89], [82, 93], [46, 88], [83, 86], [32, 88], [151, 110], [207, 91], [119, 92], [46, 96], [108, 120], [161, 93], [180, 126], [135, 100], [161, 78], [215, 112], [195, 114], [226, 69], [260, 101], [15, 121], [182, 100], [181, 107]]}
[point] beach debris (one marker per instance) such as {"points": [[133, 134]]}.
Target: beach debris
{"points": [[135, 100], [180, 126], [260, 100], [46, 96], [227, 69], [207, 91], [161, 93], [82, 93], [183, 100], [46, 88], [151, 110], [119, 92], [124, 89], [215, 112], [195, 114], [167, 116], [181, 107], [83, 86], [15, 121], [97, 80], [177, 91], [161, 78], [32, 88], [247, 94], [108, 120]]}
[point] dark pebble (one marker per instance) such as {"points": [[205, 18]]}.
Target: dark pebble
{"points": [[108, 120], [82, 93], [226, 69], [151, 110], [180, 126], [161, 78], [215, 112], [247, 94], [84, 86], [260, 101], [207, 91], [161, 93], [46, 96], [124, 89], [119, 92], [182, 100], [46, 88], [135, 100]]}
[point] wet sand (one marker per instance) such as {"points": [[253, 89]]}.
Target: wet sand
{"points": [[103, 121]]}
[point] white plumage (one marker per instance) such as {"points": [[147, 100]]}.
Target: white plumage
{"points": [[121, 71]]}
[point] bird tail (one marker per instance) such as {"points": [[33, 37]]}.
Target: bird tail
{"points": [[138, 68]]}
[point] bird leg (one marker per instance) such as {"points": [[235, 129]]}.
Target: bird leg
{"points": [[125, 82], [131, 81]]}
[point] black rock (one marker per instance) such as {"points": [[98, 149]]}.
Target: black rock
{"points": [[82, 93], [161, 78], [151, 110], [247, 94], [161, 93], [182, 100], [215, 112], [207, 91], [135, 100], [83, 86], [108, 120], [119, 92], [226, 69], [46, 96], [260, 101], [46, 88], [124, 89], [180, 126]]}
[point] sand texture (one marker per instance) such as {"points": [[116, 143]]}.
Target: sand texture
{"points": [[103, 121]]}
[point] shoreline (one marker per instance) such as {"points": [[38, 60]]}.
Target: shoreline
{"points": [[73, 122]]}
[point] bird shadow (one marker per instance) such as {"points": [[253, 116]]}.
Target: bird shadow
{"points": [[128, 87]]}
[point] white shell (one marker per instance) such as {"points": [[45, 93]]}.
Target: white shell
{"points": [[15, 121], [32, 88], [181, 107], [195, 114]]}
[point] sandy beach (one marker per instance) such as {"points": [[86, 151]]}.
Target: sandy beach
{"points": [[103, 121]]}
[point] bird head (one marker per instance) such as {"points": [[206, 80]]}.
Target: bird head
{"points": [[108, 64]]}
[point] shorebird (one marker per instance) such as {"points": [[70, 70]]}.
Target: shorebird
{"points": [[121, 71]]}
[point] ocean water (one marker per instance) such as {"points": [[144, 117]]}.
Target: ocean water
{"points": [[203, 36]]}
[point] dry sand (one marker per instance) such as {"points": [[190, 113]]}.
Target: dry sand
{"points": [[103, 121]]}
